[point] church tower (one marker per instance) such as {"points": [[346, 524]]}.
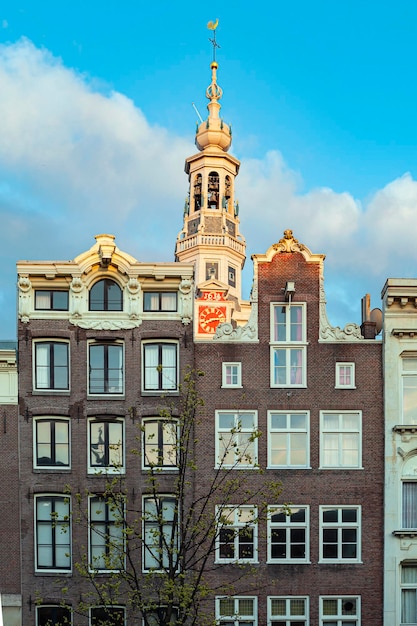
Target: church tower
{"points": [[210, 237]]}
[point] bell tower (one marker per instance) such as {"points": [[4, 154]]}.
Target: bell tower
{"points": [[210, 237]]}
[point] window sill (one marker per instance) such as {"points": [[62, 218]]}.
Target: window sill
{"points": [[159, 469], [289, 467], [340, 562], [105, 396], [161, 392], [232, 387], [344, 387], [302, 386], [49, 469], [51, 392], [405, 428], [411, 533], [340, 468], [288, 562]]}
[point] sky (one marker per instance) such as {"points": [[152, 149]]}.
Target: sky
{"points": [[96, 120]]}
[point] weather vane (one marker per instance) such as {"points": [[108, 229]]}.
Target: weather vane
{"points": [[212, 26]]}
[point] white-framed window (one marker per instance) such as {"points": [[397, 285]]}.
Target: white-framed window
{"points": [[340, 611], [106, 368], [341, 439], [105, 295], [160, 366], [52, 533], [409, 593], [114, 615], [51, 443], [340, 528], [345, 376], [160, 443], [409, 493], [51, 300], [237, 539], [288, 534], [288, 439], [231, 374], [160, 532], [288, 611], [106, 533], [236, 439], [237, 611], [409, 389], [161, 301], [288, 345], [53, 615], [51, 365], [106, 445]]}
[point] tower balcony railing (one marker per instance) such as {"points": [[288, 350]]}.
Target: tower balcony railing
{"points": [[201, 239]]}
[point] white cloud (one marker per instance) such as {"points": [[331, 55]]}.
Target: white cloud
{"points": [[4, 24], [75, 162]]}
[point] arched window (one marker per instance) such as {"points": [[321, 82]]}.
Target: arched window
{"points": [[105, 295], [197, 192], [213, 190]]}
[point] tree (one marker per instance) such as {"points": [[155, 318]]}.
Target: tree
{"points": [[155, 553]]}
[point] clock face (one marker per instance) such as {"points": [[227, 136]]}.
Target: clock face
{"points": [[209, 317]]}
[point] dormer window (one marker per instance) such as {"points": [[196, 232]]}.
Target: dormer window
{"points": [[213, 190], [105, 295]]}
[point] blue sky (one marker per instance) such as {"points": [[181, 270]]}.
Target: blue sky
{"points": [[96, 122]]}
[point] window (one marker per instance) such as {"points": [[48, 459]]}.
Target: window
{"points": [[288, 345], [409, 380], [51, 365], [340, 533], [51, 300], [292, 611], [231, 273], [105, 295], [237, 538], [160, 440], [288, 534], [340, 611], [105, 368], [160, 519], [158, 616], [105, 443], [288, 444], [231, 374], [107, 615], [409, 593], [53, 533], [106, 533], [236, 611], [237, 438], [345, 376], [341, 440], [160, 367], [53, 615], [409, 493], [51, 443], [160, 301]]}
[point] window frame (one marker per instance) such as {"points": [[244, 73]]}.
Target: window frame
{"points": [[339, 619], [405, 588], [160, 445], [288, 619], [290, 433], [50, 367], [173, 527], [107, 284], [238, 529], [342, 434], [237, 375], [50, 293], [160, 294], [92, 618], [291, 349], [288, 526], [107, 467], [110, 523], [339, 366], [236, 431], [55, 527], [53, 421], [339, 526], [48, 621], [161, 388], [237, 618], [105, 368], [406, 375]]}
